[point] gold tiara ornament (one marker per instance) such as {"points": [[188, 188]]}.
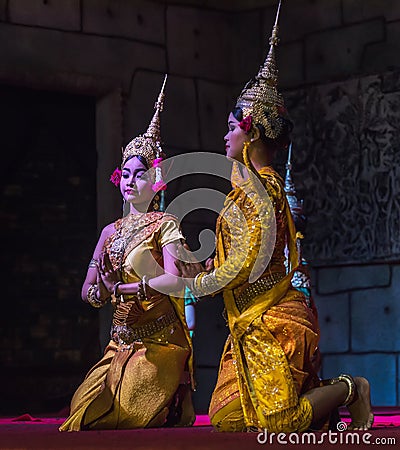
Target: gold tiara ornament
{"points": [[260, 98]]}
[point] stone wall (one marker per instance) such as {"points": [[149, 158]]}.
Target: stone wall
{"points": [[117, 52], [347, 167], [359, 314]]}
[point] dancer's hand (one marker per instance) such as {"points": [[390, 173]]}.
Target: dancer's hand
{"points": [[187, 265], [108, 275], [103, 292], [210, 264]]}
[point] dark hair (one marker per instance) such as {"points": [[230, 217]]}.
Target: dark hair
{"points": [[140, 158], [279, 143]]}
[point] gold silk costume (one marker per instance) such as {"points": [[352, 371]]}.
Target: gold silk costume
{"points": [[143, 379], [266, 363]]}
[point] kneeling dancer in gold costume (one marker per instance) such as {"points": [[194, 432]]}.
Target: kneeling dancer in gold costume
{"points": [[144, 378], [266, 377]]}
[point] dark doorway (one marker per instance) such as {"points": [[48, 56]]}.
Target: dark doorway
{"points": [[48, 338]]}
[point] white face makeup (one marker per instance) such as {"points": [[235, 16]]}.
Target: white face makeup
{"points": [[136, 184]]}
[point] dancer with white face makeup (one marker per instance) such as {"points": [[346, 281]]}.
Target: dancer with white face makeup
{"points": [[145, 376]]}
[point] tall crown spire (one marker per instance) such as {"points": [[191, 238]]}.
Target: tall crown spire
{"points": [[268, 70], [260, 97], [153, 130], [148, 145]]}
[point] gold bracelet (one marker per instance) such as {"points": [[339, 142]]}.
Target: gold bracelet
{"points": [[91, 296]]}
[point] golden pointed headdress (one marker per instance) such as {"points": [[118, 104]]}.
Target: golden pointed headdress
{"points": [[260, 97], [148, 145]]}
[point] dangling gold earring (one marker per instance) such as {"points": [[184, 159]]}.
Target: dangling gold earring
{"points": [[156, 203], [245, 154]]}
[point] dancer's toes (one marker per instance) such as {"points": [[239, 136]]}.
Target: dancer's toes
{"points": [[360, 409]]}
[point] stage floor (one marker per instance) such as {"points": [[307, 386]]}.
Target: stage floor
{"points": [[27, 432]]}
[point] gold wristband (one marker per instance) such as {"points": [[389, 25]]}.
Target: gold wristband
{"points": [[91, 296]]}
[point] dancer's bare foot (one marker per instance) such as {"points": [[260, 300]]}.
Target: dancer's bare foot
{"points": [[360, 409]]}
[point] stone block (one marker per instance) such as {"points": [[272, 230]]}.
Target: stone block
{"points": [[383, 56], [339, 52], [378, 368], [181, 124], [228, 5], [38, 51], [334, 322], [215, 102], [64, 15], [140, 19], [217, 46], [179, 120], [247, 46], [139, 107], [375, 317], [3, 10], [205, 35], [356, 11], [301, 17], [339, 279], [290, 61]]}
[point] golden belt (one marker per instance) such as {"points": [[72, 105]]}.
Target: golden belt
{"points": [[123, 334], [259, 287]]}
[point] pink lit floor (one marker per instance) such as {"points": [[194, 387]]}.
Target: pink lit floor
{"points": [[27, 432]]}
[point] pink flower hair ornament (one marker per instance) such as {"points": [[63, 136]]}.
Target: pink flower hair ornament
{"points": [[246, 124], [116, 177]]}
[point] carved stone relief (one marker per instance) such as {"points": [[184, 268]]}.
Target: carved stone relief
{"points": [[346, 166]]}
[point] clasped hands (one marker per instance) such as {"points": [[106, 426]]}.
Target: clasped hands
{"points": [[188, 266], [107, 277]]}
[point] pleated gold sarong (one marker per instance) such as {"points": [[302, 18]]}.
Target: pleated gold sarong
{"points": [[132, 388]]}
